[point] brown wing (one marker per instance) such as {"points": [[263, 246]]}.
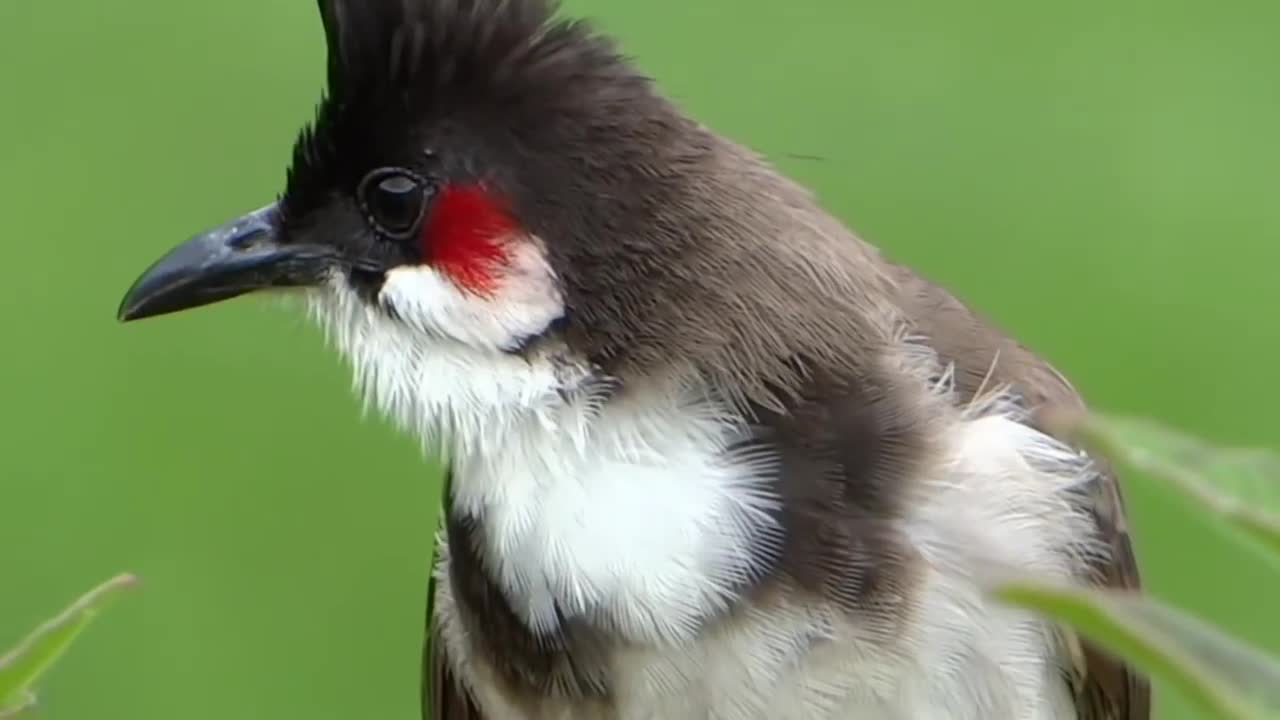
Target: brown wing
{"points": [[443, 697], [1106, 689]]}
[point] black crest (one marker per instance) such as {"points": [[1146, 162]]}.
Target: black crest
{"points": [[486, 71], [423, 47]]}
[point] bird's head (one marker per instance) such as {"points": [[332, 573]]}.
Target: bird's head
{"points": [[492, 202]]}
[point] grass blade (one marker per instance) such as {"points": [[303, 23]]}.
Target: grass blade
{"points": [[1221, 675], [1238, 486], [23, 667], [24, 703]]}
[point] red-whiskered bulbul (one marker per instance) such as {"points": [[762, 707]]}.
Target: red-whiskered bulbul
{"points": [[710, 454]]}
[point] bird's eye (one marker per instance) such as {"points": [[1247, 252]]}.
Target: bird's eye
{"points": [[395, 200]]}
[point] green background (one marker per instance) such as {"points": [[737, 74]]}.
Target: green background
{"points": [[1099, 177]]}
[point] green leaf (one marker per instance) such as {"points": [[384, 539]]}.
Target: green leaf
{"points": [[24, 702], [1227, 679], [26, 664], [1240, 486]]}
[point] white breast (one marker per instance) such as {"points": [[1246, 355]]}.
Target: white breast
{"points": [[638, 520]]}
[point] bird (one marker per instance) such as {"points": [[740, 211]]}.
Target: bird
{"points": [[710, 453]]}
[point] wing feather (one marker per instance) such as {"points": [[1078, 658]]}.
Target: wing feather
{"points": [[443, 697], [1106, 689]]}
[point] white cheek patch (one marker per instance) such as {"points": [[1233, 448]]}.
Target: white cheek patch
{"points": [[525, 302]]}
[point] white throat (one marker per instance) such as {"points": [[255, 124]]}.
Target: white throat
{"points": [[635, 516]]}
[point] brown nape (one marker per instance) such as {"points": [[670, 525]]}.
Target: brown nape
{"points": [[721, 268]]}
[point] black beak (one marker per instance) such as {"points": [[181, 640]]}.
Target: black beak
{"points": [[239, 257]]}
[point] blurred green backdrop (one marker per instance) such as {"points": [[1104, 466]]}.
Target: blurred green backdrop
{"points": [[1100, 177]]}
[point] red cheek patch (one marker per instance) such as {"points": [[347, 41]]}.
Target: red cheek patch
{"points": [[464, 236]]}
